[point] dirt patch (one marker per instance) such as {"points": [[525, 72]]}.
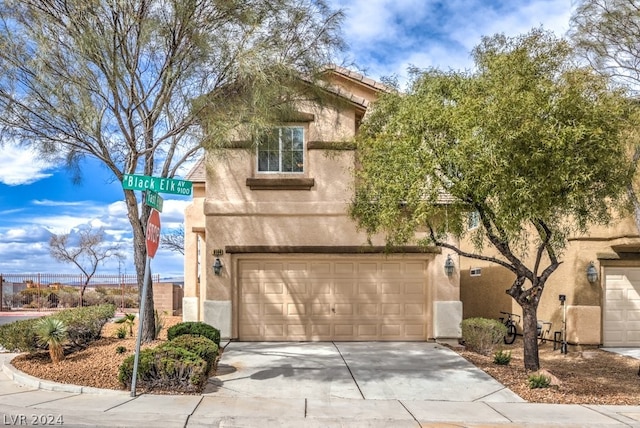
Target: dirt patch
{"points": [[592, 376], [96, 366]]}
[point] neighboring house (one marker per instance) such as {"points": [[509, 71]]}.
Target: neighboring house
{"points": [[603, 312], [292, 264]]}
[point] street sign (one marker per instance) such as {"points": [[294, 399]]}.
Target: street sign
{"points": [[153, 233], [153, 200], [157, 184]]}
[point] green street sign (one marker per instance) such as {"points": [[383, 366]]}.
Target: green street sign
{"points": [[156, 184], [153, 200]]}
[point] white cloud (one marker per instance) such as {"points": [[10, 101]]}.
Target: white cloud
{"points": [[387, 36], [21, 165]]}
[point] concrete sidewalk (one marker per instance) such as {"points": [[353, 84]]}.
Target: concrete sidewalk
{"points": [[308, 384]]}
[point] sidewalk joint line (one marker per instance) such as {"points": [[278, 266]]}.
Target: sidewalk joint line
{"points": [[349, 368]]}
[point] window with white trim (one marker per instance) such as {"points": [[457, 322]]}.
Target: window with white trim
{"points": [[282, 150], [473, 220]]}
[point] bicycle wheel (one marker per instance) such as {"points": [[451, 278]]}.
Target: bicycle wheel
{"points": [[511, 334]]}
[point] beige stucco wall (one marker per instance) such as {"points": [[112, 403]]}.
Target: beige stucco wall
{"points": [[485, 295]]}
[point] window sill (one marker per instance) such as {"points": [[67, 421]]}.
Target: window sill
{"points": [[280, 183]]}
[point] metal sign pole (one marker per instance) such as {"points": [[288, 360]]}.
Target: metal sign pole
{"points": [[143, 298]]}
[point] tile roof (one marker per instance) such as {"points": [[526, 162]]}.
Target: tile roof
{"points": [[199, 172]]}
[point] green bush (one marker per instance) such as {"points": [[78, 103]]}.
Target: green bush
{"points": [[83, 327], [502, 358], [85, 324], [19, 336], [538, 380], [121, 350], [481, 334], [166, 368], [199, 345], [194, 328], [121, 333]]}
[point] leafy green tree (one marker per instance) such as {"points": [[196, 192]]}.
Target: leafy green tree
{"points": [[528, 141], [136, 83], [606, 34]]}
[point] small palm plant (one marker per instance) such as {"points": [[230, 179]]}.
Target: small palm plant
{"points": [[53, 333], [129, 320]]}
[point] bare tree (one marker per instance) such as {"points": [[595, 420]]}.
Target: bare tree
{"points": [[134, 83], [174, 239], [86, 249]]}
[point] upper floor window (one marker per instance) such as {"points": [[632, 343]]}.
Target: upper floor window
{"points": [[282, 150], [473, 220]]}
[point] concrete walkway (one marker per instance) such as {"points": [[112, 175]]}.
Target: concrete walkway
{"points": [[308, 384]]}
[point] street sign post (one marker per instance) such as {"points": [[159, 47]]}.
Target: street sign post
{"points": [[152, 241], [157, 184], [153, 200]]}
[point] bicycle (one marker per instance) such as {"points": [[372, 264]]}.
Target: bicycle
{"points": [[508, 321]]}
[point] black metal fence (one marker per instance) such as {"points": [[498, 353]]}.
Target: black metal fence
{"points": [[41, 291]]}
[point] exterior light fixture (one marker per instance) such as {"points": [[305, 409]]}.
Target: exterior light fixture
{"points": [[217, 266], [592, 273], [449, 266]]}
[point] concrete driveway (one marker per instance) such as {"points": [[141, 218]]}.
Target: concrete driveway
{"points": [[353, 370]]}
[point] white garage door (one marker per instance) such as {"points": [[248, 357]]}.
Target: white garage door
{"points": [[354, 298], [622, 307]]}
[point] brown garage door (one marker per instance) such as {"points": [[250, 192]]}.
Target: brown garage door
{"points": [[352, 298]]}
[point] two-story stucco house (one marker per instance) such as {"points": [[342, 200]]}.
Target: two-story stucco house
{"points": [[271, 253]]}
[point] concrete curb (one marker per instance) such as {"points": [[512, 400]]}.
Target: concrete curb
{"points": [[29, 381]]}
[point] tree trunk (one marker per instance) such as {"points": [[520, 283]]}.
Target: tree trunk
{"points": [[530, 337], [140, 259]]}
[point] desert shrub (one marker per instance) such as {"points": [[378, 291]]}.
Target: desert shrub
{"points": [[68, 298], [481, 334], [84, 324], [199, 345], [121, 332], [121, 349], [52, 332], [92, 298], [19, 336], [194, 328], [129, 321], [502, 358], [167, 368], [538, 380]]}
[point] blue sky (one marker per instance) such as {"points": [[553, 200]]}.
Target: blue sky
{"points": [[385, 37]]}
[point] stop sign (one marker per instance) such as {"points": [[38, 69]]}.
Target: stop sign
{"points": [[153, 233]]}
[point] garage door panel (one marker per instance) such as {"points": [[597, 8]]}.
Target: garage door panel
{"points": [[391, 309], [367, 288], [621, 326], [273, 288], [367, 309], [613, 316], [333, 300], [367, 330], [342, 268], [321, 309], [391, 288], [343, 309], [414, 309], [273, 309], [344, 331]]}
